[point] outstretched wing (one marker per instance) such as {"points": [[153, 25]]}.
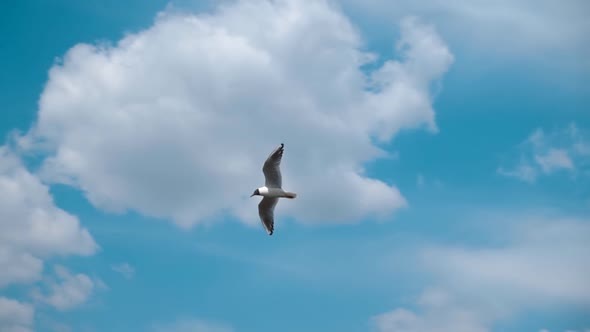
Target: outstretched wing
{"points": [[272, 169], [266, 209]]}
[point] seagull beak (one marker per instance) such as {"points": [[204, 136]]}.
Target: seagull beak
{"points": [[252, 195]]}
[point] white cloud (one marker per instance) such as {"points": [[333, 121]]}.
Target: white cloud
{"points": [[176, 120], [553, 160], [438, 313], [539, 263], [32, 228], [522, 171], [124, 269], [423, 182], [192, 325], [68, 290], [16, 328], [522, 273], [546, 154], [497, 27], [542, 260], [47, 323], [18, 267], [15, 316]]}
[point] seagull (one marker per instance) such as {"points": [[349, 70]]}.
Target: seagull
{"points": [[271, 191]]}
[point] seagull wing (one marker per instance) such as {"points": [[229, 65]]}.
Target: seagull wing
{"points": [[266, 209], [271, 168]]}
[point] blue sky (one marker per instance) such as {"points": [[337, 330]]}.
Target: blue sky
{"points": [[443, 186]]}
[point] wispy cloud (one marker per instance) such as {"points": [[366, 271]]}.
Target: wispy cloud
{"points": [[505, 27], [438, 312], [423, 182], [553, 160], [543, 154], [192, 325], [533, 262], [541, 260], [124, 269]]}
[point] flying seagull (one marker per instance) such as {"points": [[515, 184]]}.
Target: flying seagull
{"points": [[272, 191]]}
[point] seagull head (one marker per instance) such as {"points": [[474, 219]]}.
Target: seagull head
{"points": [[256, 192]]}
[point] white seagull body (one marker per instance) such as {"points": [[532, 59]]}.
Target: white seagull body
{"points": [[272, 191]]}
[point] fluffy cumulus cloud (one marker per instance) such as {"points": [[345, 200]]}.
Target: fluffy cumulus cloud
{"points": [[541, 154], [15, 316], [539, 263], [32, 229], [66, 290], [175, 121]]}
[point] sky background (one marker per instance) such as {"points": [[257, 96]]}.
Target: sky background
{"points": [[440, 151]]}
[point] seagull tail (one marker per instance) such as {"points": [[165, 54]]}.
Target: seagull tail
{"points": [[290, 195]]}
